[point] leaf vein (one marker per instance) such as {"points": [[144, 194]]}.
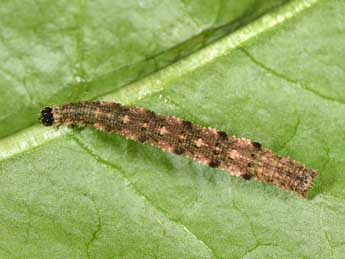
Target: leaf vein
{"points": [[292, 81], [324, 232], [292, 135], [97, 229]]}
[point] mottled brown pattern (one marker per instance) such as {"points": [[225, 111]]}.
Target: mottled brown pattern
{"points": [[238, 156]]}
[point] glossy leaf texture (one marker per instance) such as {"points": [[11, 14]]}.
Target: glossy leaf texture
{"points": [[271, 71]]}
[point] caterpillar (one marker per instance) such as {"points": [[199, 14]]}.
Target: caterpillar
{"points": [[215, 148]]}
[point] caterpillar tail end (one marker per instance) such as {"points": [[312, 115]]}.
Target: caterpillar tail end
{"points": [[46, 117]]}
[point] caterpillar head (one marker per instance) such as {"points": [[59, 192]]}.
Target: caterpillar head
{"points": [[46, 116]]}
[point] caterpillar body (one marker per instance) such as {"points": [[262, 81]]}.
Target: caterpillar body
{"points": [[212, 147]]}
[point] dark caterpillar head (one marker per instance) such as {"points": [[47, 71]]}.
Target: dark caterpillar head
{"points": [[46, 117]]}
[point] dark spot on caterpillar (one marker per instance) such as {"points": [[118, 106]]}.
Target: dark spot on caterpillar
{"points": [[149, 113], [214, 163], [216, 152], [222, 135], [179, 150], [187, 124], [257, 145], [246, 176], [142, 139], [299, 177], [250, 164], [46, 117]]}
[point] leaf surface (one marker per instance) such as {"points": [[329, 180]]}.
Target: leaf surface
{"points": [[271, 71]]}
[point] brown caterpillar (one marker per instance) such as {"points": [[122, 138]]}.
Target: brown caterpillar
{"points": [[237, 156]]}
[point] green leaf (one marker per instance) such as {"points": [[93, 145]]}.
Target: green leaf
{"points": [[271, 71]]}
